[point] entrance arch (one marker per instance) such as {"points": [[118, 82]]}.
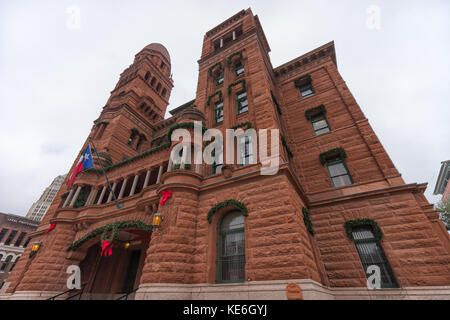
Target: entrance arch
{"points": [[110, 276]]}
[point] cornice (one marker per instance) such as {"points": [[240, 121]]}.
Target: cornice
{"points": [[412, 187], [226, 23], [304, 62], [228, 49]]}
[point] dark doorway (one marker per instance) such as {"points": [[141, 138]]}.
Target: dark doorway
{"points": [[130, 277]]}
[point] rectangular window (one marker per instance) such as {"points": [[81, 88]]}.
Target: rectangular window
{"points": [[371, 253], [246, 154], [320, 124], [338, 173], [238, 68], [26, 242], [2, 233], [219, 78], [20, 239], [10, 237], [216, 167], [218, 112], [242, 104], [306, 90]]}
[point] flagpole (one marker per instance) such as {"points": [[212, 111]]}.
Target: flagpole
{"points": [[118, 205]]}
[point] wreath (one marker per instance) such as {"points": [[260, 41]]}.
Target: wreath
{"points": [[114, 233]]}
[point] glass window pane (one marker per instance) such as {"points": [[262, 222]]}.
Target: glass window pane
{"points": [[341, 181], [232, 221], [336, 169], [232, 248], [320, 124], [306, 90], [371, 253], [322, 131]]}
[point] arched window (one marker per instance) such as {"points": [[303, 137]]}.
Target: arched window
{"points": [[133, 135], [371, 253], [147, 75], [5, 264], [158, 87], [14, 264], [231, 248], [152, 83], [164, 92]]}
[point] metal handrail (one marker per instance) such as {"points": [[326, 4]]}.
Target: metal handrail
{"points": [[126, 295], [67, 291]]}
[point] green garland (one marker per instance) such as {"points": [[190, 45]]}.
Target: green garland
{"points": [[212, 68], [239, 53], [248, 125], [315, 111], [141, 155], [145, 153], [349, 225], [302, 80], [189, 125], [276, 102], [114, 233], [114, 226], [323, 156], [307, 220], [236, 83], [226, 203], [82, 197], [289, 152], [64, 195], [219, 93]]}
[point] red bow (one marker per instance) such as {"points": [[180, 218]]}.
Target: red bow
{"points": [[165, 195], [52, 226], [106, 248]]}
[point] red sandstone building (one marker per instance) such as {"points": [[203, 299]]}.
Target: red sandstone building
{"points": [[336, 206]]}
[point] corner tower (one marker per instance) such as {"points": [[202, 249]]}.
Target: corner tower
{"points": [[126, 125]]}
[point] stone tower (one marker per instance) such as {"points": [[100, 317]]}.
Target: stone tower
{"points": [[336, 206]]}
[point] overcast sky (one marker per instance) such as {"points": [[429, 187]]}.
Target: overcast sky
{"points": [[56, 74]]}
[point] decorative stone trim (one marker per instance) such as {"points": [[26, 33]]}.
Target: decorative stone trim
{"points": [[299, 82], [231, 202], [219, 93], [218, 64], [230, 58], [100, 123], [323, 156], [307, 221], [248, 125], [143, 154], [236, 83], [350, 224], [114, 226], [315, 111]]}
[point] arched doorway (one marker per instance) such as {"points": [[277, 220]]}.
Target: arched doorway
{"points": [[108, 277]]}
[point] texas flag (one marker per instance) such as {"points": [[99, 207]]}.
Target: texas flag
{"points": [[84, 163]]}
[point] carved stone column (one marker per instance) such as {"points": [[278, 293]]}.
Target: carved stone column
{"points": [[75, 196], [68, 197], [122, 189], [112, 191], [102, 195], [147, 177], [159, 174], [135, 181]]}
